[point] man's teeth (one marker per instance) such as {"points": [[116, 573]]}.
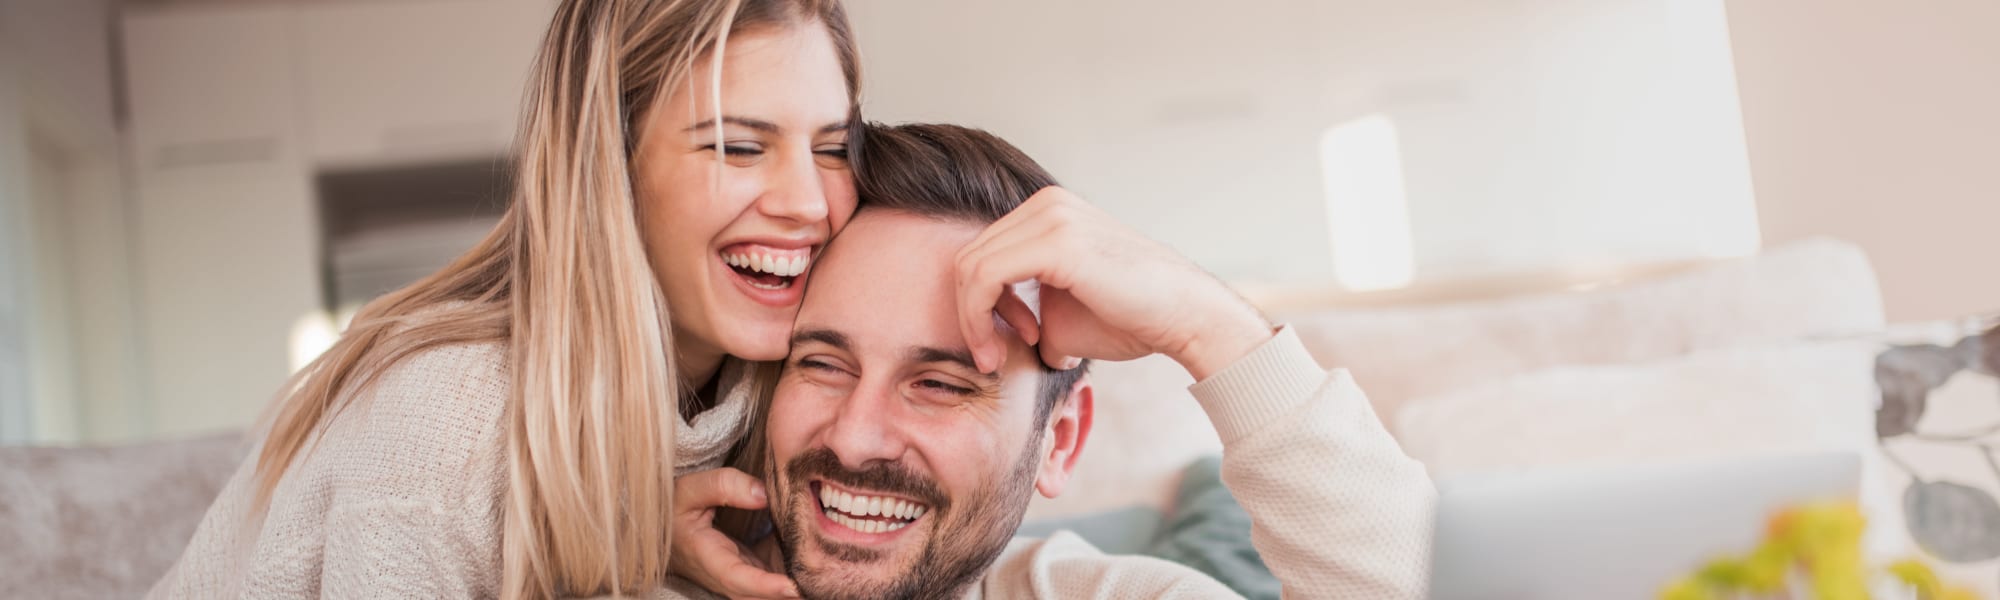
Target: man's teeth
{"points": [[852, 505], [765, 263], [865, 525]]}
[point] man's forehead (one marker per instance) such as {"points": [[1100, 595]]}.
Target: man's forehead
{"points": [[889, 276]]}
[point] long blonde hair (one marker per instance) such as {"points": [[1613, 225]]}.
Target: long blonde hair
{"points": [[564, 281]]}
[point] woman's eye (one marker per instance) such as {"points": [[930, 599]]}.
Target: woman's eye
{"points": [[935, 385], [831, 158], [736, 150]]}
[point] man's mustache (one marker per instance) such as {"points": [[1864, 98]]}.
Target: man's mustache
{"points": [[881, 476]]}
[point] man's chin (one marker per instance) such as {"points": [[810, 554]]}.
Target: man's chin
{"points": [[831, 571], [837, 565]]}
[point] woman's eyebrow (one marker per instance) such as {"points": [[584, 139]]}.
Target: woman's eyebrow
{"points": [[764, 126], [756, 124]]}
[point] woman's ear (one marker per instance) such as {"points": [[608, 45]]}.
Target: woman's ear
{"points": [[1068, 428]]}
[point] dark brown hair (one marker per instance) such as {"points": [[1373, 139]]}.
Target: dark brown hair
{"points": [[958, 174]]}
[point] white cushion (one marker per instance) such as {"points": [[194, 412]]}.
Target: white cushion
{"points": [[1813, 288], [1718, 404]]}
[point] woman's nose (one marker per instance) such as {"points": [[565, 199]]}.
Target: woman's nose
{"points": [[796, 193]]}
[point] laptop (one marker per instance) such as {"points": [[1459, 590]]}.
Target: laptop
{"points": [[1622, 532]]}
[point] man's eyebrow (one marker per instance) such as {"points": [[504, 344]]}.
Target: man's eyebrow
{"points": [[958, 356], [761, 125], [824, 336]]}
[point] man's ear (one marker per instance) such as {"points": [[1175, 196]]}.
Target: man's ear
{"points": [[1069, 426]]}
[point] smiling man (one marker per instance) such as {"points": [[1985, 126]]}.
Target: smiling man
{"points": [[905, 439]]}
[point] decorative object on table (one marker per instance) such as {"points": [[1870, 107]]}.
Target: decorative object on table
{"points": [[1812, 551], [1939, 425]]}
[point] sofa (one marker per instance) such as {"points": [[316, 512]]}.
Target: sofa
{"points": [[1763, 355]]}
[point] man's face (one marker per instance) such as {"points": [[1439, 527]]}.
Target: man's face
{"points": [[899, 469]]}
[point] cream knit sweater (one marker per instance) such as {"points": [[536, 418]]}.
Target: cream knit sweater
{"points": [[1337, 509], [401, 499], [402, 495]]}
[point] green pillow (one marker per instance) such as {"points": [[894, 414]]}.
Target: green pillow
{"points": [[1211, 532]]}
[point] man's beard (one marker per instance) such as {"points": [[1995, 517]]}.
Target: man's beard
{"points": [[965, 537]]}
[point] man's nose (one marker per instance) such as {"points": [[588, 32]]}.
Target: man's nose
{"points": [[865, 429]]}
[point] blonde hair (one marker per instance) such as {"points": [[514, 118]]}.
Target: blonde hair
{"points": [[564, 280]]}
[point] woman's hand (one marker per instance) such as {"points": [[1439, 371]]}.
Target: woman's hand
{"points": [[706, 556], [1107, 292]]}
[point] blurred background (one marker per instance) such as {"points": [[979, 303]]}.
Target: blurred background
{"points": [[193, 191]]}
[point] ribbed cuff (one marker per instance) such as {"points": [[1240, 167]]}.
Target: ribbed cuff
{"points": [[1261, 387]]}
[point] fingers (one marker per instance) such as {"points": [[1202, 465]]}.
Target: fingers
{"points": [[985, 276], [1055, 350], [719, 487], [983, 289], [723, 567], [740, 579], [707, 556], [1018, 315]]}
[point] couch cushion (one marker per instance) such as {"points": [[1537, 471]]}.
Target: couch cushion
{"points": [[1775, 400], [1939, 420], [104, 522], [1813, 288]]}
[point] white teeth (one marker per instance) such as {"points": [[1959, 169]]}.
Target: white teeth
{"points": [[765, 263], [848, 510]]}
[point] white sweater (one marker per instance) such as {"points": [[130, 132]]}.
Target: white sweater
{"points": [[402, 495]]}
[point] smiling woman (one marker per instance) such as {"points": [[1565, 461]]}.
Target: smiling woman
{"points": [[507, 426]]}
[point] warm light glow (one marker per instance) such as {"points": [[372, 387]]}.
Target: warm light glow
{"points": [[1366, 213], [312, 334]]}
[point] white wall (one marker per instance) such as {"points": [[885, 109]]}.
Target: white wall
{"points": [[16, 393], [61, 175], [1536, 134], [235, 109], [1879, 122]]}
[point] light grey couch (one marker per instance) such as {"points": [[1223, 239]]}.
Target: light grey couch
{"points": [[104, 522]]}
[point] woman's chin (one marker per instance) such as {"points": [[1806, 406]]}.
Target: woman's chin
{"points": [[758, 341]]}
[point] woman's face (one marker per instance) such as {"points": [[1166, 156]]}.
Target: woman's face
{"points": [[731, 243]]}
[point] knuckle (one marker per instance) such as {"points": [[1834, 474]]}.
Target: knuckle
{"points": [[978, 273]]}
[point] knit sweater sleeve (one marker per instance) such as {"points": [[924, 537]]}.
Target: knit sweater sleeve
{"points": [[1337, 509], [398, 495], [415, 506]]}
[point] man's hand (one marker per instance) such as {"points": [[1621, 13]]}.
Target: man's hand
{"points": [[706, 556], [1107, 292]]}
